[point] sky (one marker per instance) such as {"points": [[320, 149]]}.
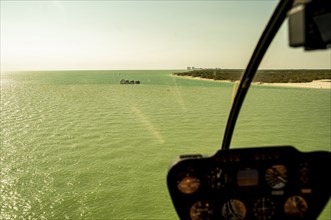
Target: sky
{"points": [[72, 35]]}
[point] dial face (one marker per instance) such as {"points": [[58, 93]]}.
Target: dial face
{"points": [[295, 206], [217, 178], [234, 209], [201, 210], [276, 176], [264, 209], [188, 185]]}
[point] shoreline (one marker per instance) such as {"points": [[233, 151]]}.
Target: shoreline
{"points": [[315, 84]]}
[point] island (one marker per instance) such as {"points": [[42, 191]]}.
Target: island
{"points": [[309, 78]]}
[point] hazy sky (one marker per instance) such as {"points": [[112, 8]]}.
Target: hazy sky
{"points": [[142, 35]]}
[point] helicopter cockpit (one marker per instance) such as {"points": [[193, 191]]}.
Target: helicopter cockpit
{"points": [[267, 182]]}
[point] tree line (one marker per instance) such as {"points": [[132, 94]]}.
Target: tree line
{"points": [[262, 76]]}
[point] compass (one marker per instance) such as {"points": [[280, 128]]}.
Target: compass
{"points": [[264, 208]]}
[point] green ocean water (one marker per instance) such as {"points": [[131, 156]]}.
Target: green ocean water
{"points": [[78, 145]]}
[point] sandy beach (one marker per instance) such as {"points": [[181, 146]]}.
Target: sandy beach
{"points": [[315, 84]]}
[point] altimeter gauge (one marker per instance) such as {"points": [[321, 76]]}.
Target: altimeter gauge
{"points": [[295, 206], [276, 176], [234, 209]]}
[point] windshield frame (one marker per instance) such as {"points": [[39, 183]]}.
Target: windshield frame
{"points": [[274, 24]]}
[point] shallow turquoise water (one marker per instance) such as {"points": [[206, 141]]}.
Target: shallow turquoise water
{"points": [[78, 145]]}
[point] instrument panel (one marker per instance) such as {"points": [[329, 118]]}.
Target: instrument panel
{"points": [[261, 183]]}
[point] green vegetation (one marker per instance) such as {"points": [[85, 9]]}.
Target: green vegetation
{"points": [[263, 76]]}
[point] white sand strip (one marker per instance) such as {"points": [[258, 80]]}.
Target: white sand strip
{"points": [[315, 84]]}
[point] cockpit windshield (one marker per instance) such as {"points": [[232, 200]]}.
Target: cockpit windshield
{"points": [[98, 97]]}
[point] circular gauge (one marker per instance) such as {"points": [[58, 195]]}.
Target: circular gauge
{"points": [[217, 178], [188, 185], [234, 209], [276, 176], [295, 206], [201, 210], [264, 208]]}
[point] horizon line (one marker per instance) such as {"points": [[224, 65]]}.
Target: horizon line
{"points": [[149, 69]]}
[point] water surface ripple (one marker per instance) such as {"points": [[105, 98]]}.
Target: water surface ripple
{"points": [[78, 145]]}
